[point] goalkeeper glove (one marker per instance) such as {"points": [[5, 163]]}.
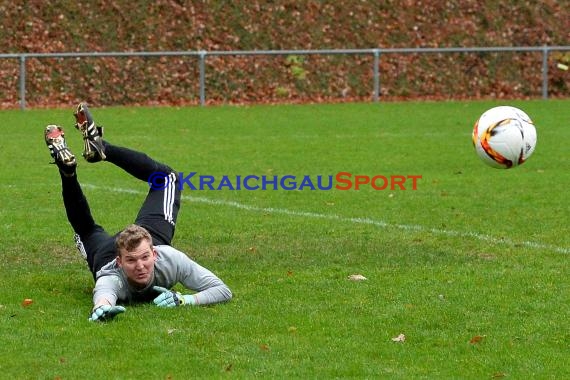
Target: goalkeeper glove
{"points": [[105, 312], [169, 298]]}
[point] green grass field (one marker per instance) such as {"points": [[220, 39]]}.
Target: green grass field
{"points": [[472, 267]]}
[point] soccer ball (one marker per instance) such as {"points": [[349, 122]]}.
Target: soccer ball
{"points": [[504, 137]]}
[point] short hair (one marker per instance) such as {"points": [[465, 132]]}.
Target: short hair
{"points": [[131, 237]]}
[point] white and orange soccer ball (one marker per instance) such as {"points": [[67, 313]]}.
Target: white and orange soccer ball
{"points": [[504, 137]]}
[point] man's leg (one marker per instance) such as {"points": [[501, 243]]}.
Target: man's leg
{"points": [[160, 209], [137, 164], [97, 245]]}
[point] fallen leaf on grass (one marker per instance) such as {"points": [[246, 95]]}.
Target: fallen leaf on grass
{"points": [[357, 277], [498, 375], [27, 302], [264, 347], [399, 338], [487, 256], [476, 339], [171, 331]]}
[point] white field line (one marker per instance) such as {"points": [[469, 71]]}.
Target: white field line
{"points": [[373, 222]]}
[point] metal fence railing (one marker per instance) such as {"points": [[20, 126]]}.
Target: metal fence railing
{"points": [[201, 56]]}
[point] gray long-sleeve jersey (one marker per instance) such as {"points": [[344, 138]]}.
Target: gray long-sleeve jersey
{"points": [[171, 267]]}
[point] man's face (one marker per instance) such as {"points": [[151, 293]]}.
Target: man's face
{"points": [[138, 264]]}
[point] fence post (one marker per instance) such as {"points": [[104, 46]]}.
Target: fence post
{"points": [[545, 72], [22, 82], [376, 74], [202, 77]]}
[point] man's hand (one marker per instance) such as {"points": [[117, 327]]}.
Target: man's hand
{"points": [[169, 298], [105, 312]]}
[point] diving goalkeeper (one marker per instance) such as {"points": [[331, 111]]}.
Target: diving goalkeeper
{"points": [[137, 264]]}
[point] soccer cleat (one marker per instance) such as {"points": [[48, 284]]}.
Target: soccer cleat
{"points": [[93, 149], [55, 141], [80, 246]]}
